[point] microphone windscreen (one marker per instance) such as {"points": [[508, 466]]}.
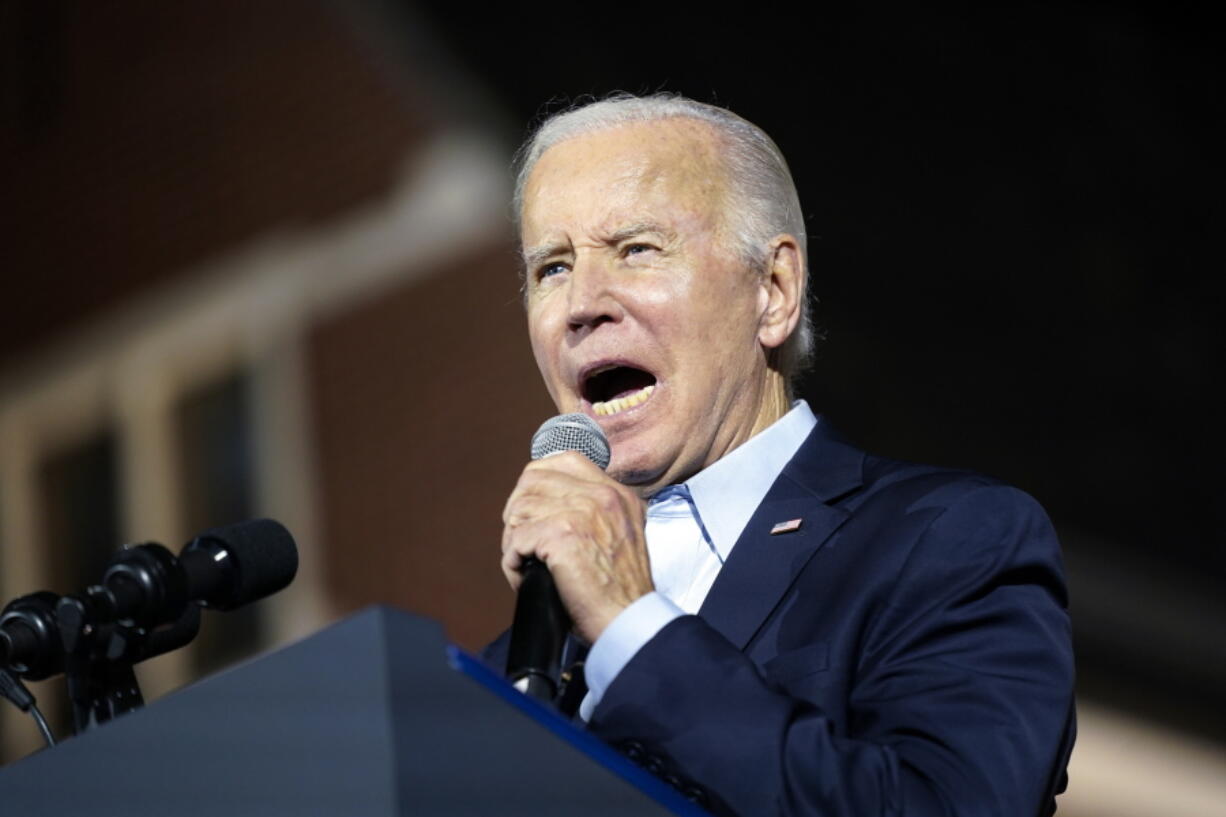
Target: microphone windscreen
{"points": [[264, 559], [571, 432]]}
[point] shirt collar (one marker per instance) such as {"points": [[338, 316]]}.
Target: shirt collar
{"points": [[726, 493]]}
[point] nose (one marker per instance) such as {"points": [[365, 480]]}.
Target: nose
{"points": [[592, 298]]}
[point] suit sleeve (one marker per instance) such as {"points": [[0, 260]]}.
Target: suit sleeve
{"points": [[960, 703]]}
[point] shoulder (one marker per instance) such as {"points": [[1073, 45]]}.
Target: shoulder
{"points": [[940, 530], [932, 492], [902, 517], [891, 506], [833, 469], [838, 472], [946, 494]]}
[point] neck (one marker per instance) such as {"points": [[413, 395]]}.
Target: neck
{"points": [[776, 402], [773, 404]]}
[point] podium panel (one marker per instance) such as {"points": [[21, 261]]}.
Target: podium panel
{"points": [[375, 715]]}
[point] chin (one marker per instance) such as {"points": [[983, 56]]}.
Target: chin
{"points": [[631, 475], [634, 471], [644, 457]]}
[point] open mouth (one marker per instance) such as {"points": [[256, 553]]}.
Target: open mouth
{"points": [[615, 389]]}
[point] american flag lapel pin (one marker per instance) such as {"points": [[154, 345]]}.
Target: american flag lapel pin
{"points": [[785, 527]]}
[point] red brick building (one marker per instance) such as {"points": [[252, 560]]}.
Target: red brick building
{"points": [[257, 261]]}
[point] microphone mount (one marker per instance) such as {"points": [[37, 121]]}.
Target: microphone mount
{"points": [[100, 650], [148, 603]]}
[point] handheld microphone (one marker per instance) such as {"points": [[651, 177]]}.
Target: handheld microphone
{"points": [[541, 622]]}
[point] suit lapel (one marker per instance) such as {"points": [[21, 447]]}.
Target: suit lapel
{"points": [[762, 566]]}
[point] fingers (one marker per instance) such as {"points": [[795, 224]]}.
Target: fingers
{"points": [[564, 480], [553, 530], [559, 476], [587, 528]]}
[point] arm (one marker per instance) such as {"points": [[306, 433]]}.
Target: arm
{"points": [[960, 703]]}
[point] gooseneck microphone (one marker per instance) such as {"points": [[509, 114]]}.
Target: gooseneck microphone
{"points": [[541, 622]]}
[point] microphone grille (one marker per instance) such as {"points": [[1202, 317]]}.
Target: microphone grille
{"points": [[571, 432], [264, 557]]}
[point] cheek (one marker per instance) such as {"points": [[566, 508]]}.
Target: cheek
{"points": [[542, 362], [724, 338], [727, 318], [550, 378], [545, 352]]}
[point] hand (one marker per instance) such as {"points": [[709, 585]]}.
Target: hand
{"points": [[588, 530]]}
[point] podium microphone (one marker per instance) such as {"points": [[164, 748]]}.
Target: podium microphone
{"points": [[541, 622], [149, 588]]}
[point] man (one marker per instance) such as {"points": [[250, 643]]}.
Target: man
{"points": [[779, 623]]}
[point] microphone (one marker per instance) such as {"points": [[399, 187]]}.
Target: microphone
{"points": [[541, 622], [222, 568], [572, 432], [146, 587], [30, 638]]}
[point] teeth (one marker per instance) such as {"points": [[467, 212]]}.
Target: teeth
{"points": [[619, 404]]}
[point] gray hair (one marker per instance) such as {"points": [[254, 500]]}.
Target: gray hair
{"points": [[764, 199]]}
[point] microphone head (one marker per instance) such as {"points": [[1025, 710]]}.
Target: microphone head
{"points": [[571, 432], [261, 559]]}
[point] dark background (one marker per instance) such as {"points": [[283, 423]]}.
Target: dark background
{"points": [[1010, 213]]}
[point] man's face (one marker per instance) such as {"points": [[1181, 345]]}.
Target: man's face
{"points": [[640, 312]]}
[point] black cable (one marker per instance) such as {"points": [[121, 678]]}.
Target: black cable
{"points": [[16, 692], [42, 725]]}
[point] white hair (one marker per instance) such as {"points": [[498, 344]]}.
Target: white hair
{"points": [[764, 202]]}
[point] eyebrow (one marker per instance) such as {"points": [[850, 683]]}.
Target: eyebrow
{"points": [[538, 255]]}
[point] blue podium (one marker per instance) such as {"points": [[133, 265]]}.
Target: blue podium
{"points": [[376, 715]]}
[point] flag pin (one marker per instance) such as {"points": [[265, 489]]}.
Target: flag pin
{"points": [[786, 527]]}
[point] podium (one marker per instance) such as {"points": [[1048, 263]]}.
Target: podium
{"points": [[376, 715]]}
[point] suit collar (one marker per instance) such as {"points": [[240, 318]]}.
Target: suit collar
{"points": [[763, 566], [726, 494], [827, 465]]}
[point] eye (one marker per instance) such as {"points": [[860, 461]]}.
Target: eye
{"points": [[637, 248], [550, 270]]}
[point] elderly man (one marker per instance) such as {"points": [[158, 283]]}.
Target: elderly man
{"points": [[779, 623]]}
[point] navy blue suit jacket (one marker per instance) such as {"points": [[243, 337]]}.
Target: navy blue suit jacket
{"points": [[906, 651]]}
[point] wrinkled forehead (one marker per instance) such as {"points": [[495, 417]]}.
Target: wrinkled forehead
{"points": [[618, 171]]}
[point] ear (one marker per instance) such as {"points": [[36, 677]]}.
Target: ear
{"points": [[783, 292]]}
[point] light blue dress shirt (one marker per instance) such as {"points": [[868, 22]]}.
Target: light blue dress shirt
{"points": [[690, 529]]}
